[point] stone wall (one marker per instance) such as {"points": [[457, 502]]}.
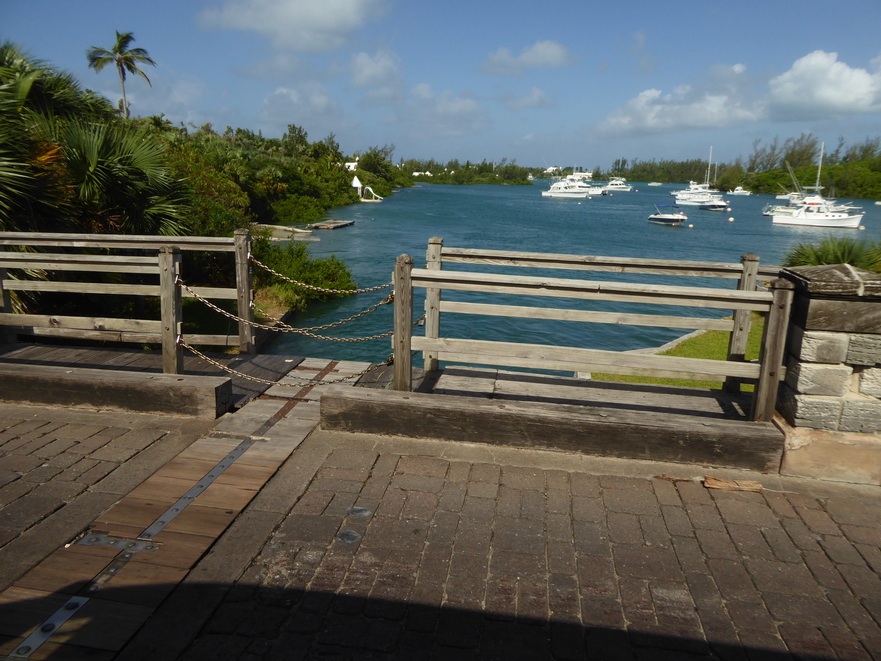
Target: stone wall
{"points": [[833, 376]]}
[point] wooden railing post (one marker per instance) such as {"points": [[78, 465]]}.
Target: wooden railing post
{"points": [[403, 331], [245, 289], [6, 334], [739, 339], [432, 300], [171, 310], [773, 350]]}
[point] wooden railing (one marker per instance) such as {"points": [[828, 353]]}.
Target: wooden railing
{"points": [[159, 260], [743, 301]]}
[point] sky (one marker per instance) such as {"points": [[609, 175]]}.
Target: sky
{"points": [[572, 84]]}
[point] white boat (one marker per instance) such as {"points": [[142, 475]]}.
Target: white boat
{"points": [[616, 185], [568, 190], [697, 194], [814, 210], [740, 190], [653, 183], [716, 204], [671, 218]]}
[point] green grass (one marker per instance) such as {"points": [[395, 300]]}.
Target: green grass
{"points": [[712, 345]]}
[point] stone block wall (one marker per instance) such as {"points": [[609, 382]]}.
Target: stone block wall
{"points": [[833, 370]]}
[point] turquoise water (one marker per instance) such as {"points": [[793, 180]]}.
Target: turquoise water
{"points": [[518, 218]]}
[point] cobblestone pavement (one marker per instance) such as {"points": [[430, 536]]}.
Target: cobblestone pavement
{"points": [[421, 550], [367, 547], [59, 468]]}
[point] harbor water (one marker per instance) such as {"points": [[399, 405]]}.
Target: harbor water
{"points": [[519, 218]]}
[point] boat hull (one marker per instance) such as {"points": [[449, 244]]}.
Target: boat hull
{"points": [[667, 219], [848, 221]]}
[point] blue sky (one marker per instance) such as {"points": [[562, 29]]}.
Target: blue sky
{"points": [[542, 83]]}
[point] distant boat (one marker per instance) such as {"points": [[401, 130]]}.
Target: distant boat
{"points": [[814, 210], [664, 217], [740, 190], [565, 189], [616, 185], [714, 205], [654, 183]]}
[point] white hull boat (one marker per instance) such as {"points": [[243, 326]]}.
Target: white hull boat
{"points": [[664, 217], [809, 215], [617, 185], [568, 190], [740, 190]]}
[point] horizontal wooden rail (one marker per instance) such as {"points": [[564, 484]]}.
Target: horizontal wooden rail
{"points": [[494, 283], [541, 356], [480, 286], [157, 267], [451, 255], [128, 241], [565, 314], [72, 262]]}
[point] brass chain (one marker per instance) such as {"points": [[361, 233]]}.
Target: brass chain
{"points": [[303, 380], [254, 260], [285, 328]]}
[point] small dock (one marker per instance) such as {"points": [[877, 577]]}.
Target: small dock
{"points": [[330, 224]]}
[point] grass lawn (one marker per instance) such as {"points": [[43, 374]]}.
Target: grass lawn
{"points": [[712, 345]]}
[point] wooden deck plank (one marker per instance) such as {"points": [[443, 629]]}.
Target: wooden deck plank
{"points": [[195, 519]]}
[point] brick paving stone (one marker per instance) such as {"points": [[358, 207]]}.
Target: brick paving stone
{"points": [[863, 582], [841, 551], [733, 580], [591, 539], [630, 501], [705, 517], [624, 528], [640, 561], [588, 509], [677, 521], [845, 644], [805, 640], [818, 521], [582, 484], [526, 479], [750, 541], [782, 577], [654, 531], [781, 542], [716, 544]]}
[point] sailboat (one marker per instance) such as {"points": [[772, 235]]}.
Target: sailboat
{"points": [[701, 195], [814, 210]]}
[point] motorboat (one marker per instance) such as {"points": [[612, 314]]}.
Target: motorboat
{"points": [[701, 199], [814, 210], [664, 217], [654, 183], [567, 189], [740, 190], [716, 204], [616, 185]]}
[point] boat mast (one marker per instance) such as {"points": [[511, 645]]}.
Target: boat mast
{"points": [[820, 165]]}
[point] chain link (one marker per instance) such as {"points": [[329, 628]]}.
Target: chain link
{"points": [[254, 260], [285, 328], [303, 380]]}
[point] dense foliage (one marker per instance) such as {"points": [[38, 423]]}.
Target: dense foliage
{"points": [[847, 171], [71, 162], [836, 250], [454, 172]]}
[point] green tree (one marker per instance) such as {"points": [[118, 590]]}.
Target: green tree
{"points": [[125, 58]]}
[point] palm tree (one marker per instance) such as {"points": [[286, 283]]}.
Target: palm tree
{"points": [[125, 59]]}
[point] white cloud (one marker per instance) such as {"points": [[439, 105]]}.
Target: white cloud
{"points": [[541, 55], [818, 85], [444, 114], [379, 75], [309, 106], [651, 111], [296, 25], [534, 98]]}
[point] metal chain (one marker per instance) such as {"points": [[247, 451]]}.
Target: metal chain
{"points": [[303, 380], [254, 260], [290, 329]]}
